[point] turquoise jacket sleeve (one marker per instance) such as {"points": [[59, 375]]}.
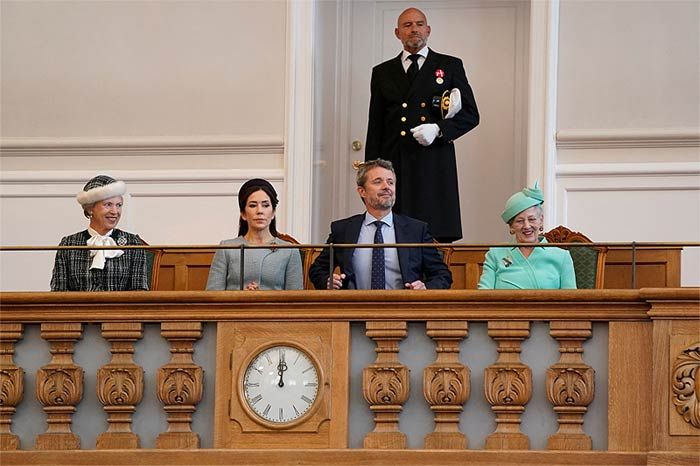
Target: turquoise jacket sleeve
{"points": [[568, 275], [488, 273]]}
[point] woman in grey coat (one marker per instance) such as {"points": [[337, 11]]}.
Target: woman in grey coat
{"points": [[265, 268]]}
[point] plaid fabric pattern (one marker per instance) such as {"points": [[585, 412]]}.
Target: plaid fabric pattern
{"points": [[71, 270]]}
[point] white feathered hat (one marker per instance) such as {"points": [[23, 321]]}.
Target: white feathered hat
{"points": [[99, 188]]}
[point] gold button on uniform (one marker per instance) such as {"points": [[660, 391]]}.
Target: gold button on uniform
{"points": [[404, 105], [422, 104], [403, 133], [403, 118], [422, 118]]}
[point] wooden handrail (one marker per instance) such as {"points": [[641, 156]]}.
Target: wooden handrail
{"points": [[342, 305], [455, 246]]}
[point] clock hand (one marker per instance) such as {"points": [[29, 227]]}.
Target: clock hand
{"points": [[281, 368]]}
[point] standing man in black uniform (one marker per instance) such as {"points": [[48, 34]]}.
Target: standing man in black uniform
{"points": [[407, 126]]}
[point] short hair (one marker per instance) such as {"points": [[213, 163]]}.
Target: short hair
{"points": [[538, 208], [364, 167]]}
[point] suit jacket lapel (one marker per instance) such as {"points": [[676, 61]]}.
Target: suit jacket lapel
{"points": [[400, 230], [352, 235], [401, 76]]}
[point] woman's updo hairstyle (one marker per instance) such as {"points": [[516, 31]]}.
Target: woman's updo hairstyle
{"points": [[248, 188]]}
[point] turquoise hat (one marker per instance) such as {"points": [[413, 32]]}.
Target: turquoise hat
{"points": [[522, 200]]}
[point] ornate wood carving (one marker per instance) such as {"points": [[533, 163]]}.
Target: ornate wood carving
{"points": [[59, 386], [570, 385], [446, 385], [686, 386], [120, 385], [385, 385], [508, 385], [180, 385], [11, 383]]}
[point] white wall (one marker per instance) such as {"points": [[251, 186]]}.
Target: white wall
{"points": [[628, 108], [183, 100]]}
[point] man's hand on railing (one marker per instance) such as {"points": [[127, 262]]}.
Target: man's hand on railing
{"points": [[417, 285], [337, 282]]}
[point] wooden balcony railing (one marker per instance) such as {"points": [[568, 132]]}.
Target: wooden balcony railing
{"points": [[652, 386]]}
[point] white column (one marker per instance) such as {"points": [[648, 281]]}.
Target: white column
{"points": [[542, 98], [298, 147]]}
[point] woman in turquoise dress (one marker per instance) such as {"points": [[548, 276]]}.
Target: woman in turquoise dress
{"points": [[527, 267]]}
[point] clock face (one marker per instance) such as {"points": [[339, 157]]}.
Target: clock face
{"points": [[281, 384]]}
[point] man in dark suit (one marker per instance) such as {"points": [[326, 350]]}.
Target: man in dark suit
{"points": [[380, 268], [406, 126]]}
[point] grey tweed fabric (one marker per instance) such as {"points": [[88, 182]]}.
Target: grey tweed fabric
{"points": [[71, 270]]}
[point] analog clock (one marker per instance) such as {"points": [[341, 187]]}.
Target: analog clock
{"points": [[281, 383]]}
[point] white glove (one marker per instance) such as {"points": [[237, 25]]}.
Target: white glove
{"points": [[425, 134], [455, 103]]}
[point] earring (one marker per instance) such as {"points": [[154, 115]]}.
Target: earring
{"points": [[541, 228]]}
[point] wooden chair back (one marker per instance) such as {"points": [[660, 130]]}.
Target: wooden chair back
{"points": [[589, 262]]}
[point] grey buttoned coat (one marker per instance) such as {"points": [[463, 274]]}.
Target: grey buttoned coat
{"points": [[272, 269]]}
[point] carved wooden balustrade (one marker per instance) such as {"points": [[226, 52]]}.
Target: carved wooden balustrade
{"points": [[653, 390]]}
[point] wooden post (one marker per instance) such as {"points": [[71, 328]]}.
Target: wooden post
{"points": [[446, 385], [570, 385], [59, 386], [11, 383], [180, 385], [385, 385], [120, 385], [508, 386]]}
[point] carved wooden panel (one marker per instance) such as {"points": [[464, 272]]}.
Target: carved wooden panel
{"points": [[180, 384], [385, 385], [685, 384], [676, 327], [570, 386], [446, 385], [59, 387], [120, 385], [11, 383], [323, 425], [508, 385]]}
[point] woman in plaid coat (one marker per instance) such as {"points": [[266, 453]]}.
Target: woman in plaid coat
{"points": [[101, 270]]}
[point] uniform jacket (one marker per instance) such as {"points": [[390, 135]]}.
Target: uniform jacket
{"points": [[271, 269], [415, 263], [546, 268], [426, 176], [71, 270]]}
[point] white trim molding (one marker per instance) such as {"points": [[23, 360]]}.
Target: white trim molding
{"points": [[619, 138], [542, 96], [620, 177], [579, 170], [298, 153], [164, 176], [143, 146], [140, 183]]}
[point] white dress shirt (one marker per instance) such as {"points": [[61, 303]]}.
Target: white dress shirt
{"points": [[362, 257], [406, 62]]}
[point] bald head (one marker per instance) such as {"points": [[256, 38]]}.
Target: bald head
{"points": [[413, 12], [412, 30]]}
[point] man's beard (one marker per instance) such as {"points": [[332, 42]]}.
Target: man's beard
{"points": [[415, 42], [383, 203]]}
